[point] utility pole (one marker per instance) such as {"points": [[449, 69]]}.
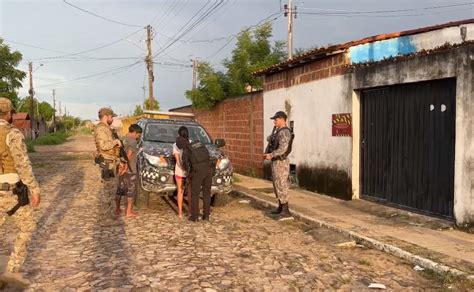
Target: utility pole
{"points": [[54, 112], [290, 12], [195, 65], [149, 66], [32, 93], [59, 107]]}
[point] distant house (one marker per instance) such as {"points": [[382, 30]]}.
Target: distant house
{"points": [[22, 121]]}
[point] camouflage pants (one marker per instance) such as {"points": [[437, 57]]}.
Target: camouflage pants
{"points": [[107, 197], [25, 222], [280, 173]]}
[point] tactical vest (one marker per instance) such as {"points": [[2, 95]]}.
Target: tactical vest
{"points": [[6, 159], [276, 143], [111, 154]]}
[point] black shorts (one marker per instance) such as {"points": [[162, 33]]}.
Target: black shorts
{"points": [[127, 185]]}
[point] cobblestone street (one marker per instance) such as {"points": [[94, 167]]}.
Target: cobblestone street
{"points": [[240, 249]]}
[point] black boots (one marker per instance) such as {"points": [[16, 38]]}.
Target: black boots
{"points": [[278, 210], [285, 213]]}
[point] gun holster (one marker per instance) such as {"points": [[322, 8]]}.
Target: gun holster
{"points": [[21, 190]]}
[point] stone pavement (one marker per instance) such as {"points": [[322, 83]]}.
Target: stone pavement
{"points": [[242, 249], [428, 237]]}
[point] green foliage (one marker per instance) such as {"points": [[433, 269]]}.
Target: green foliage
{"points": [[46, 111], [138, 110], [210, 89], [152, 104], [10, 76], [253, 52], [30, 145], [51, 138]]}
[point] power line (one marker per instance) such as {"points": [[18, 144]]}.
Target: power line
{"points": [[452, 5], [101, 17], [268, 18], [197, 22], [360, 12], [93, 75], [90, 50]]}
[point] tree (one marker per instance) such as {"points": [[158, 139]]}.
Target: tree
{"points": [[138, 110], [253, 52], [152, 105], [10, 76], [211, 87], [46, 111]]}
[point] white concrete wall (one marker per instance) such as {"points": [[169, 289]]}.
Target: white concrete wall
{"points": [[312, 105]]}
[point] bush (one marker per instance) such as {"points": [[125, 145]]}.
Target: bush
{"points": [[30, 145], [51, 139]]}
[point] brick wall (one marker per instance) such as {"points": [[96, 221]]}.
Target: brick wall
{"points": [[238, 120], [318, 69]]}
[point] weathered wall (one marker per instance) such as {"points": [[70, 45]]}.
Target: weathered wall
{"points": [[404, 45], [323, 162], [238, 120], [455, 62]]}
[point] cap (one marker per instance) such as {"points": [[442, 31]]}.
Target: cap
{"points": [[106, 111], [279, 114], [5, 105]]}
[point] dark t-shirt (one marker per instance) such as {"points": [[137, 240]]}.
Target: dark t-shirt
{"points": [[131, 144]]}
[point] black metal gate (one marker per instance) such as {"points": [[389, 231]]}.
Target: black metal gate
{"points": [[408, 136]]}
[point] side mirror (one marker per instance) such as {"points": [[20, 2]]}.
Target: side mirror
{"points": [[220, 143]]}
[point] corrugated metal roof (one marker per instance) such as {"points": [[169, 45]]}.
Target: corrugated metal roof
{"points": [[331, 50]]}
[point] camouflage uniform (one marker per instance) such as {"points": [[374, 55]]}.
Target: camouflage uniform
{"points": [[14, 149], [109, 148], [281, 165]]}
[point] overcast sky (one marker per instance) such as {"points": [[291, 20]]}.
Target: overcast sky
{"points": [[115, 75]]}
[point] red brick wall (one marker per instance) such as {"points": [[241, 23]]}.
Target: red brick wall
{"points": [[319, 69], [238, 120]]}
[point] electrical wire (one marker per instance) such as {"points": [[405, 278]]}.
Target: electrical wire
{"points": [[92, 75], [268, 18], [196, 23], [101, 17], [90, 50]]}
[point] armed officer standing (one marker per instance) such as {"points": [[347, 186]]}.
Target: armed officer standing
{"points": [[15, 171], [281, 140], [108, 158]]}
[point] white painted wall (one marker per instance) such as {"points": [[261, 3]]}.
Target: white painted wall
{"points": [[432, 39], [313, 103]]}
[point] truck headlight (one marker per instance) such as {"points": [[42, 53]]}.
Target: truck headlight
{"points": [[223, 163], [159, 161]]}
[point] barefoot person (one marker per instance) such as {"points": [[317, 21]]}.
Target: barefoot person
{"points": [[15, 168], [179, 171], [127, 180]]}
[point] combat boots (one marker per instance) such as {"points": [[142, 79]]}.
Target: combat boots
{"points": [[285, 213], [278, 210]]}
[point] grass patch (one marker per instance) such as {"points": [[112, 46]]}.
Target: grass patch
{"points": [[364, 262], [47, 139], [235, 179]]}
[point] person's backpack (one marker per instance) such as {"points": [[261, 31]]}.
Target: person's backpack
{"points": [[290, 144], [197, 153]]}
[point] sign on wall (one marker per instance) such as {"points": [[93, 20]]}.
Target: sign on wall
{"points": [[342, 125]]}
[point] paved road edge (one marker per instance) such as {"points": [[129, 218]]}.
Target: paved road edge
{"points": [[388, 248]]}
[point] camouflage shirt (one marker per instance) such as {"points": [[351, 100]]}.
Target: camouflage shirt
{"points": [[105, 143], [282, 142], [16, 143]]}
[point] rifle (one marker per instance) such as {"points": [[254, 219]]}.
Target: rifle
{"points": [[270, 147], [123, 154], [21, 190]]}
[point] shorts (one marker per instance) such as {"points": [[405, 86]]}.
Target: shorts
{"points": [[127, 185], [179, 177]]}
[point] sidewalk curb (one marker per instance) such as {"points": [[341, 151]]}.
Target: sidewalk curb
{"points": [[387, 248]]}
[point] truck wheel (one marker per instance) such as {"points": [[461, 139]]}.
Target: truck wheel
{"points": [[220, 200]]}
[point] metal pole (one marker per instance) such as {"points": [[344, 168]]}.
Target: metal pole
{"points": [[149, 64]]}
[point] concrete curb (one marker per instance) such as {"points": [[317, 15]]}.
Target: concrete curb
{"points": [[388, 248]]}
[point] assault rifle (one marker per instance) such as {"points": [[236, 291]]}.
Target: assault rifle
{"points": [[21, 190], [270, 146], [123, 154]]}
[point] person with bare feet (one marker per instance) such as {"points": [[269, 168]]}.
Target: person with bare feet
{"points": [[179, 169], [127, 180]]}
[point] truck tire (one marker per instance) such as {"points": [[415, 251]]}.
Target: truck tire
{"points": [[220, 200]]}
